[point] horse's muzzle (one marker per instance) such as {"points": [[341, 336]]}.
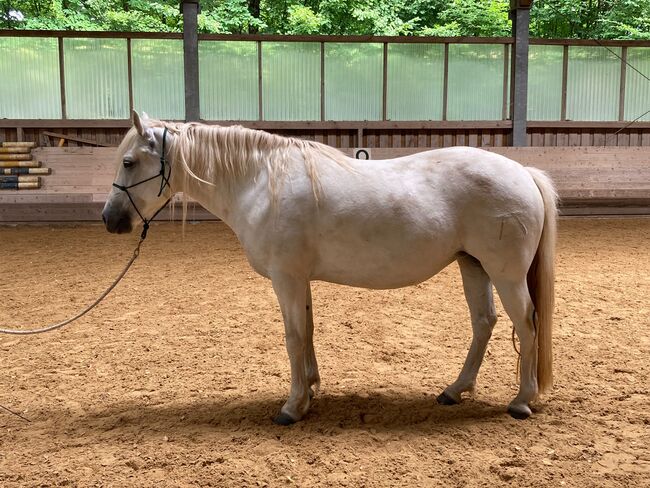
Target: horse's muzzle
{"points": [[120, 224]]}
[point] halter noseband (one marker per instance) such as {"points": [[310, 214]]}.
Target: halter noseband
{"points": [[163, 183]]}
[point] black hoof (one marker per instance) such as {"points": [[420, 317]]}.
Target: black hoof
{"points": [[283, 419], [444, 399], [519, 413]]}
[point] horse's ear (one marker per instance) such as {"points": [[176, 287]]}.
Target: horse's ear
{"points": [[137, 123]]}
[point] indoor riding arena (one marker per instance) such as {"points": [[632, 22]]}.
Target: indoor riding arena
{"points": [[174, 379]]}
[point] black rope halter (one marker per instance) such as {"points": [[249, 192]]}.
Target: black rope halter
{"points": [[164, 181]]}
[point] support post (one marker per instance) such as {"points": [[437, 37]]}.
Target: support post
{"points": [[520, 15], [190, 10]]}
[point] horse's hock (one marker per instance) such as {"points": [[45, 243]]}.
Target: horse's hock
{"points": [[590, 181]]}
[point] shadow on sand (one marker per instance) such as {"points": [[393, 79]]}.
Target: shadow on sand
{"points": [[377, 412]]}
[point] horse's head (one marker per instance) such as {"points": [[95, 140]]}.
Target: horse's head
{"points": [[141, 185]]}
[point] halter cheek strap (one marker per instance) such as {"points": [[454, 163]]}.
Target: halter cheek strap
{"points": [[164, 182]]}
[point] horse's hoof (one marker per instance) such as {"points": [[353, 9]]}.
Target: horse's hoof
{"points": [[444, 399], [519, 412], [283, 419]]}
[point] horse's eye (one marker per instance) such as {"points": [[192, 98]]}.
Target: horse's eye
{"points": [[127, 163]]}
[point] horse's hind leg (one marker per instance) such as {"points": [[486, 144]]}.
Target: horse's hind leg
{"points": [[478, 293], [311, 365], [292, 296], [519, 306]]}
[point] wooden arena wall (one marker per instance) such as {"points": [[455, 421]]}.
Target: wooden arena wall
{"points": [[590, 180], [380, 135]]}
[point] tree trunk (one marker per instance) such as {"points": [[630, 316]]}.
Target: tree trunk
{"points": [[254, 9]]}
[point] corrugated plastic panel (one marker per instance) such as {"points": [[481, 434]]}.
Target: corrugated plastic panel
{"points": [[291, 80], [545, 82], [96, 78], [353, 81], [158, 78], [475, 82], [415, 81], [593, 83], [637, 88], [228, 78], [30, 87]]}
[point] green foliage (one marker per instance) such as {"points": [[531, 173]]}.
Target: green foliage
{"points": [[606, 19], [600, 19]]}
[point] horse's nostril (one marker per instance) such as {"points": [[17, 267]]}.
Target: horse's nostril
{"points": [[104, 219]]}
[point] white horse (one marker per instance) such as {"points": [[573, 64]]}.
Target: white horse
{"points": [[303, 211]]}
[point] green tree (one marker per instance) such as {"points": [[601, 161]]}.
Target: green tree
{"points": [[606, 19]]}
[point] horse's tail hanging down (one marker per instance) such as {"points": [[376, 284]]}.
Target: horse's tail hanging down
{"points": [[541, 281]]}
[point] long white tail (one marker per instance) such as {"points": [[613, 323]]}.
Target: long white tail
{"points": [[541, 281]]}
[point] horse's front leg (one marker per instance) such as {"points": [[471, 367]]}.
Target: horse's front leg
{"points": [[313, 377], [292, 295]]}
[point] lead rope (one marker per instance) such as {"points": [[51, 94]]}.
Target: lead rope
{"points": [[164, 182], [49, 328]]}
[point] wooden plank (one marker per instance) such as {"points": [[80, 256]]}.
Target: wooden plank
{"points": [[20, 164], [278, 125], [621, 92], [384, 86], [129, 72], [424, 139], [473, 139], [15, 157], [384, 140], [590, 42], [14, 150], [577, 124], [599, 138], [64, 110], [83, 140], [550, 138], [445, 82], [565, 70], [574, 138], [260, 101], [18, 144], [322, 81]]}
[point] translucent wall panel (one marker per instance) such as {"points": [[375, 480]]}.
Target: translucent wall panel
{"points": [[593, 83], [158, 78], [637, 88], [415, 81], [29, 78], [291, 80], [475, 82], [96, 78], [353, 81], [545, 82], [228, 80]]}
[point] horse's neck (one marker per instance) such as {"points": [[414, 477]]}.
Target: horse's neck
{"points": [[228, 202]]}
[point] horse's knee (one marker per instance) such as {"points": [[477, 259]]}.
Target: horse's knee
{"points": [[484, 324], [491, 320]]}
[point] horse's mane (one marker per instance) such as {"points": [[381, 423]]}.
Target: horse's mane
{"points": [[212, 153]]}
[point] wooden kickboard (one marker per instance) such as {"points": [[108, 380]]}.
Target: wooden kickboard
{"points": [[603, 175]]}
